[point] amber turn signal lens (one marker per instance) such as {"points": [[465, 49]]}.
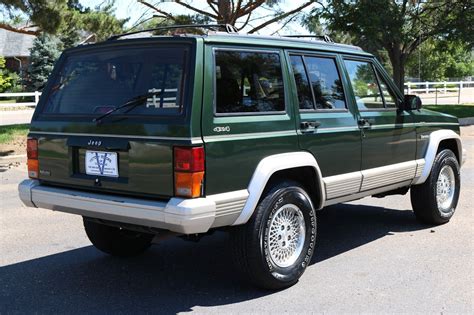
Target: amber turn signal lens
{"points": [[33, 168], [188, 184]]}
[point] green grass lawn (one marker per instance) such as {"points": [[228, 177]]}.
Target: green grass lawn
{"points": [[8, 133], [460, 111]]}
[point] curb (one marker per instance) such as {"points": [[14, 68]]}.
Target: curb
{"points": [[468, 121]]}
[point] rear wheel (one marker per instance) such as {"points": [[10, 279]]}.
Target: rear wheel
{"points": [[435, 201], [276, 245], [116, 241]]}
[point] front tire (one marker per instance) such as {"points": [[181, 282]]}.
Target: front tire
{"points": [[435, 201], [116, 241], [276, 245]]}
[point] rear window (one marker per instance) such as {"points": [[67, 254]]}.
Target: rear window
{"points": [[92, 83]]}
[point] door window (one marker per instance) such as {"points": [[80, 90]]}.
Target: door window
{"points": [[326, 83], [388, 95], [364, 84], [248, 82], [318, 83], [303, 87]]}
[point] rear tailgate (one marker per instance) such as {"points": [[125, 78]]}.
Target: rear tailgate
{"points": [[134, 165], [131, 150]]}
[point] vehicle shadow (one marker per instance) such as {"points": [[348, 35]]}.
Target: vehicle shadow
{"points": [[174, 276]]}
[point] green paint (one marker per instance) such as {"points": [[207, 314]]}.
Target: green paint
{"points": [[234, 144]]}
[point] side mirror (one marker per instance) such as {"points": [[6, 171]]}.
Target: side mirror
{"points": [[411, 102]]}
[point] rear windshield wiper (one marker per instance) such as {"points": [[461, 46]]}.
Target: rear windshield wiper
{"points": [[133, 102]]}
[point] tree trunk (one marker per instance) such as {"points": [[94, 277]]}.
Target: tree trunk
{"points": [[225, 12], [398, 60]]}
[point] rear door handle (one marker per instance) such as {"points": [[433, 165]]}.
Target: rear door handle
{"points": [[309, 126], [365, 122]]}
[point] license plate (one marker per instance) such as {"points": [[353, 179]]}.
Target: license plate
{"points": [[101, 163]]}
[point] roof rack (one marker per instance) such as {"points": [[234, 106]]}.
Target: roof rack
{"points": [[325, 38], [213, 27]]}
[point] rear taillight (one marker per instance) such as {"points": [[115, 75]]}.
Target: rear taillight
{"points": [[189, 165], [32, 155]]}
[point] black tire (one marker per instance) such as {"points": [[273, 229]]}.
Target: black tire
{"points": [[424, 197], [116, 241], [250, 242]]}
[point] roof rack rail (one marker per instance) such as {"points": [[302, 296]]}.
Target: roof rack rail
{"points": [[325, 38], [227, 27]]}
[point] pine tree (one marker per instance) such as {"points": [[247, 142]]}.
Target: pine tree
{"points": [[44, 53]]}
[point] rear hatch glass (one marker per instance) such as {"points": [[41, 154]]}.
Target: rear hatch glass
{"points": [[92, 83]]}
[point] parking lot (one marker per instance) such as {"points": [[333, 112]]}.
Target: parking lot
{"points": [[372, 256]]}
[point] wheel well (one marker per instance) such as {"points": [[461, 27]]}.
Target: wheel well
{"points": [[450, 144], [305, 175]]}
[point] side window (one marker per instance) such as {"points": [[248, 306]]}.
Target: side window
{"points": [[248, 82], [303, 87], [388, 95], [326, 83], [364, 84]]}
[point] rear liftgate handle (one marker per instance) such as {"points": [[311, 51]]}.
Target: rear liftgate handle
{"points": [[309, 126]]}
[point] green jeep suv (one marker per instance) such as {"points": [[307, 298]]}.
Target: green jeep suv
{"points": [[185, 134]]}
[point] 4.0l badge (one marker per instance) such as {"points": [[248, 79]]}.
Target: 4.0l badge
{"points": [[222, 129]]}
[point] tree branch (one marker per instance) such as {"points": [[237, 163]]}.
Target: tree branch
{"points": [[284, 24], [157, 10], [281, 16], [235, 10], [211, 4], [245, 23], [190, 7], [18, 30], [249, 7]]}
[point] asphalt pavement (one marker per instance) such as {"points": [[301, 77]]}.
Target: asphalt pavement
{"points": [[371, 257]]}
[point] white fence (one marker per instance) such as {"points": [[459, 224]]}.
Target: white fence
{"points": [[9, 96], [442, 92]]}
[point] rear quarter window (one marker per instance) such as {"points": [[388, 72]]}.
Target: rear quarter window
{"points": [[248, 82]]}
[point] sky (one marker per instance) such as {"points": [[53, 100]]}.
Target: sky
{"points": [[137, 11]]}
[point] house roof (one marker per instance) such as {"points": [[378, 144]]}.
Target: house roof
{"points": [[14, 44]]}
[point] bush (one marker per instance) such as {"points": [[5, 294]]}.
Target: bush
{"points": [[5, 79], [9, 81]]}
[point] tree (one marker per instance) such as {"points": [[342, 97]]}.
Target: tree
{"points": [[78, 20], [399, 27], [315, 26], [44, 14], [67, 18], [44, 53], [231, 11], [437, 60]]}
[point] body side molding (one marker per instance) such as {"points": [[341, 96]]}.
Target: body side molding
{"points": [[435, 138], [267, 167]]}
